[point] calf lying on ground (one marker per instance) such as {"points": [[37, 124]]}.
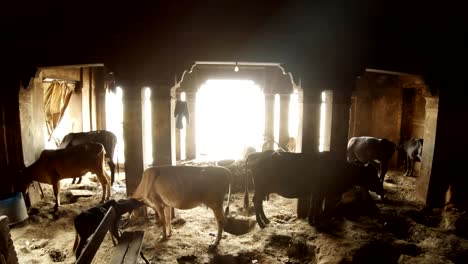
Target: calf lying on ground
{"points": [[371, 150], [413, 152], [55, 165], [315, 176], [88, 221], [106, 138], [185, 187]]}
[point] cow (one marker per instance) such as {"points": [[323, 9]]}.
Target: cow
{"points": [[106, 138], [251, 159], [55, 165], [315, 176], [371, 150], [413, 152], [185, 187], [87, 221]]}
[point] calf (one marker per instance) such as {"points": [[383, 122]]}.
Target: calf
{"points": [[376, 151], [106, 138], [55, 165], [413, 152], [87, 222], [299, 175], [185, 187]]}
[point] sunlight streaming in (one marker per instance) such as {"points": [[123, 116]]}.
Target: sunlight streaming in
{"points": [[230, 116], [148, 138], [114, 121]]}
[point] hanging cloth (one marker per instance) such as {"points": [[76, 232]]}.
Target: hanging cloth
{"points": [[56, 99], [180, 111]]}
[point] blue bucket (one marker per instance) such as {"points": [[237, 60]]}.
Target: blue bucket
{"points": [[14, 207]]}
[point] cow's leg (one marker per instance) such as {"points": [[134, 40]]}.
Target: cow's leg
{"points": [[410, 174], [56, 187], [219, 215], [167, 213], [258, 205], [160, 209], [408, 164], [73, 181], [246, 192], [79, 180], [104, 180], [383, 171], [112, 169]]}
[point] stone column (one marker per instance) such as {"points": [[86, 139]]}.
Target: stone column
{"points": [[100, 91], [341, 103], [191, 147], [269, 120], [310, 136], [424, 179], [311, 120], [161, 123], [284, 119], [133, 136], [175, 94]]}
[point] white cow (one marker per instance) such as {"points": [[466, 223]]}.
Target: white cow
{"points": [[185, 187]]}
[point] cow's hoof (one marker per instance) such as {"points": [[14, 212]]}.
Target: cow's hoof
{"points": [[261, 225], [213, 247]]}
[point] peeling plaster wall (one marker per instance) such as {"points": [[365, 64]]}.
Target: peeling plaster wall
{"points": [[377, 108], [32, 118]]}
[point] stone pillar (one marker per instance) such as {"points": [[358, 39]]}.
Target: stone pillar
{"points": [[191, 146], [311, 120], [310, 136], [284, 119], [161, 122], [341, 102], [269, 120], [175, 94], [424, 179], [133, 136], [100, 91]]}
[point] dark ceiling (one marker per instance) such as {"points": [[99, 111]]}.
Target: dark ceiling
{"points": [[316, 40]]}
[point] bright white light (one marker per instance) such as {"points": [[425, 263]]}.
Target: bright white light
{"points": [[276, 120], [323, 109], [148, 144], [293, 128], [325, 120], [183, 132], [236, 69], [230, 116], [114, 121]]}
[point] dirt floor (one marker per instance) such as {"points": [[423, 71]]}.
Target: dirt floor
{"points": [[401, 232]]}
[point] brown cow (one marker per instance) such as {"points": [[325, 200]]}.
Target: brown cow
{"points": [[55, 165], [185, 187]]}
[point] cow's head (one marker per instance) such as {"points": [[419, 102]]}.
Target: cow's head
{"points": [[22, 180]]}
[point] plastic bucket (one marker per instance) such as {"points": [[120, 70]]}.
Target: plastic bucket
{"points": [[14, 207]]}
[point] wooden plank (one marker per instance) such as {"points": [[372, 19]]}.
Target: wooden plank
{"points": [[93, 245], [134, 247], [81, 193], [129, 247]]}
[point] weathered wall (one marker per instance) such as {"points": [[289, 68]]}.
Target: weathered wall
{"points": [[377, 108], [32, 118]]}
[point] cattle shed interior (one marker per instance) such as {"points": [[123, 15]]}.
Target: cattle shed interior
{"points": [[205, 83]]}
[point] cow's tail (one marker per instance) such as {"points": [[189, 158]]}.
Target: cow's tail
{"points": [[75, 244], [226, 211]]}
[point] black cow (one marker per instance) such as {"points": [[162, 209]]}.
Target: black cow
{"points": [[88, 221], [413, 151], [376, 151], [314, 176], [106, 138]]}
